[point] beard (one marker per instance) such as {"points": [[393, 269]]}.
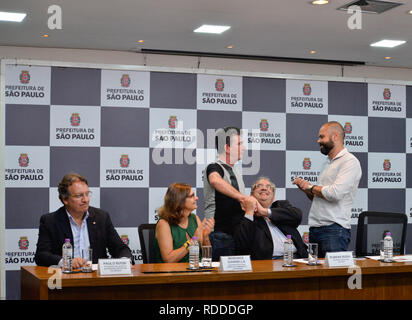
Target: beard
{"points": [[325, 148]]}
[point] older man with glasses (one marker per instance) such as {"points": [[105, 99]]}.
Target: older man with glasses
{"points": [[85, 226], [263, 230]]}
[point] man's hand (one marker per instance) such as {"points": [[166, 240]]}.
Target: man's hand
{"points": [[302, 184], [77, 263], [249, 205], [261, 211]]}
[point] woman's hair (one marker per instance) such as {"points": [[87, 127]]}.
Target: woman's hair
{"points": [[174, 204]]}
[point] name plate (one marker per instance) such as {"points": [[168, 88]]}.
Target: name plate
{"points": [[339, 259], [235, 263], [110, 267]]}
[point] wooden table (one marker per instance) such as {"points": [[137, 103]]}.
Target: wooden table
{"points": [[268, 280]]}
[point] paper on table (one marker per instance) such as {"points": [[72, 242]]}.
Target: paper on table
{"points": [[306, 261], [405, 258], [374, 257]]}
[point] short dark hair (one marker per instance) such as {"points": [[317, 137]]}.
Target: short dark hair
{"points": [[67, 181], [224, 137]]}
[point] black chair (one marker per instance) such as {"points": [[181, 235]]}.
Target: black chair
{"points": [[372, 227], [146, 237]]}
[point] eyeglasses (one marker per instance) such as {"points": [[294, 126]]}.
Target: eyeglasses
{"points": [[191, 195], [267, 186], [87, 194]]}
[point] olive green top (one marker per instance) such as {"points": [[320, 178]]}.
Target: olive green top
{"points": [[179, 237]]}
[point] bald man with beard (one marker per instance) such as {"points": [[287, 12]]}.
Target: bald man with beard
{"points": [[333, 197]]}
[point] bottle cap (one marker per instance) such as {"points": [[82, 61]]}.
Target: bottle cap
{"points": [[289, 236], [66, 240], [388, 233], [194, 238]]}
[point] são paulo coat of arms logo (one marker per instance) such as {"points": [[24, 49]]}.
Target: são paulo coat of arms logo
{"points": [[386, 94], [307, 163], [219, 85], [125, 80], [124, 161], [23, 243], [307, 90], [24, 77], [24, 160], [172, 122], [264, 125], [306, 237], [75, 120], [386, 165], [348, 128], [125, 239]]}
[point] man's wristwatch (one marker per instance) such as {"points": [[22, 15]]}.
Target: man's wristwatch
{"points": [[311, 189], [269, 213]]}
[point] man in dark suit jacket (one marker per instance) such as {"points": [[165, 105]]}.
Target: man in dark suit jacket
{"points": [[85, 226], [264, 227]]}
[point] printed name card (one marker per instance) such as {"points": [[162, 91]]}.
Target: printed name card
{"points": [[235, 263], [339, 259], [110, 267]]}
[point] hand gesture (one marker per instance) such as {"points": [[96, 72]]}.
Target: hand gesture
{"points": [[249, 205]]}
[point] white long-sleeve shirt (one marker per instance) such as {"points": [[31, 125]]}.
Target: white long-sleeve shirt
{"points": [[339, 180]]}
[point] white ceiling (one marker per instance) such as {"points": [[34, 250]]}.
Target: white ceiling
{"points": [[274, 28]]}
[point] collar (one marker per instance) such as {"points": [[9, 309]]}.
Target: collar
{"points": [[222, 162], [72, 219], [340, 154]]}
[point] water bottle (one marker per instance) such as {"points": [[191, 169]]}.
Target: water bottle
{"points": [[288, 251], [67, 255], [194, 254], [387, 248]]}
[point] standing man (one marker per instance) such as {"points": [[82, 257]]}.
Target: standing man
{"points": [[332, 199], [85, 226], [224, 191]]}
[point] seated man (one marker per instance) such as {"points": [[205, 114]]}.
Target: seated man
{"points": [[85, 226], [264, 227]]}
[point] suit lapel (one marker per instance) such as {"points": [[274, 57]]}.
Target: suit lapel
{"points": [[264, 226], [64, 225], [91, 228]]}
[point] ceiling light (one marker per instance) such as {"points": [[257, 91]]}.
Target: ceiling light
{"points": [[229, 47], [388, 58], [361, 3], [45, 36], [12, 16], [320, 2], [211, 29], [388, 43], [410, 12], [312, 51], [140, 41]]}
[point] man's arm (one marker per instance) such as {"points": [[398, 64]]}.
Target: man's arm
{"points": [[284, 213], [44, 252], [221, 185], [305, 186], [116, 246], [347, 178]]}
